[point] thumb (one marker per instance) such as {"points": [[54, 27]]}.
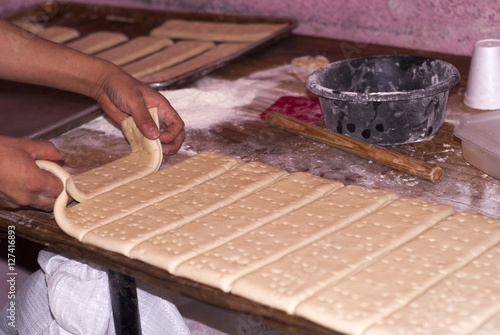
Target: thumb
{"points": [[145, 123]]}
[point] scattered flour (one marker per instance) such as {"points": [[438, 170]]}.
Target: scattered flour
{"points": [[103, 125], [210, 101]]}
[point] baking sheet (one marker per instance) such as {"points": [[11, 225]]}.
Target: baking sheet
{"points": [[134, 22]]}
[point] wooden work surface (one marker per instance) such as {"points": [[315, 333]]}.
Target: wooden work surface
{"points": [[463, 187]]}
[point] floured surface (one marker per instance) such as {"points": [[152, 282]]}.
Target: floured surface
{"points": [[352, 259]]}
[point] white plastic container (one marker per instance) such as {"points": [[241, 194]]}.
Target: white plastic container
{"points": [[480, 136]]}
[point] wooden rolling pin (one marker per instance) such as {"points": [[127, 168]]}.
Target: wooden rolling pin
{"points": [[357, 147]]}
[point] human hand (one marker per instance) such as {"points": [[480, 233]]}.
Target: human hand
{"points": [[120, 96], [22, 183]]}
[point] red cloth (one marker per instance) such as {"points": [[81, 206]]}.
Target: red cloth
{"points": [[303, 108]]}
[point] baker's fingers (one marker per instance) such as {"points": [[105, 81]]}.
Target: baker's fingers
{"points": [[171, 124], [50, 188], [140, 99], [7, 203], [39, 190], [42, 150], [170, 132], [110, 108], [135, 108], [45, 203], [174, 146], [145, 123]]}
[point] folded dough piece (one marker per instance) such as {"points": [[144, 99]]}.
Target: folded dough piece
{"points": [[169, 212], [131, 197], [145, 157]]}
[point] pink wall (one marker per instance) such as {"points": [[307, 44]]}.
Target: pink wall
{"points": [[449, 26]]}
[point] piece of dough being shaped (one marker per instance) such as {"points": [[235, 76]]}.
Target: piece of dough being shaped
{"points": [[59, 172], [145, 158], [136, 195]]}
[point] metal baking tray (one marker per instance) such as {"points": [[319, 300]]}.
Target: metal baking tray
{"points": [[134, 22]]}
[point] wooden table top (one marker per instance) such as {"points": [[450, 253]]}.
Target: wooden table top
{"points": [[463, 187]]}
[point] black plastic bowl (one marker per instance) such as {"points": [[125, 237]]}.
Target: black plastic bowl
{"points": [[384, 100]]}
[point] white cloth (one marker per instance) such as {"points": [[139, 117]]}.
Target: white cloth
{"points": [[32, 314]]}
